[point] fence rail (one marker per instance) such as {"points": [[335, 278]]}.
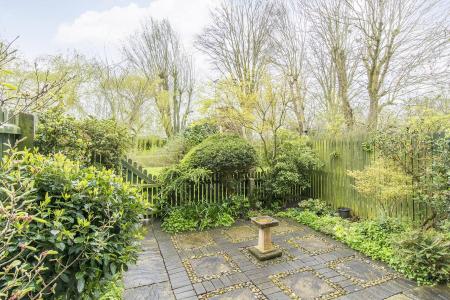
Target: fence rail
{"points": [[332, 184], [215, 189]]}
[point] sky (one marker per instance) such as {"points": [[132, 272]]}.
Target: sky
{"points": [[94, 27]]}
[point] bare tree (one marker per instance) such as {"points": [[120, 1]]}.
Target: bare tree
{"points": [[290, 58], [156, 52], [238, 41], [399, 40], [35, 92], [128, 96], [331, 29]]}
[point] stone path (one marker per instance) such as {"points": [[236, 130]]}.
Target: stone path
{"points": [[217, 265]]}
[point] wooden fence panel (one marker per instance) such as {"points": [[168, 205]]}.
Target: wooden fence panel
{"points": [[332, 184], [10, 132]]}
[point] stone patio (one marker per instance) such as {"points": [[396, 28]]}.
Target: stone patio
{"points": [[216, 265]]}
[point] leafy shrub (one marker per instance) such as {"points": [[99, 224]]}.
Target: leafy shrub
{"points": [[195, 134], [65, 229], [108, 141], [59, 133], [317, 206], [112, 290], [405, 147], [425, 256], [292, 167], [383, 182], [179, 220], [90, 141], [197, 217], [222, 153], [239, 206]]}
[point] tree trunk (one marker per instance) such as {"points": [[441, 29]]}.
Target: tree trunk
{"points": [[299, 106], [372, 118]]}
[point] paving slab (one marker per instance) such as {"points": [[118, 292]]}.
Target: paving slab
{"points": [[216, 264]]}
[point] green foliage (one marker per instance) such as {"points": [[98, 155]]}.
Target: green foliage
{"points": [[420, 255], [292, 167], [195, 134], [108, 141], [420, 148], [65, 229], [174, 179], [383, 182], [316, 206], [239, 206], [179, 220], [199, 216], [222, 153], [90, 141], [425, 256], [59, 133], [113, 289]]}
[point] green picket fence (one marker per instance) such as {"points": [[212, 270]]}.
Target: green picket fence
{"points": [[215, 189]]}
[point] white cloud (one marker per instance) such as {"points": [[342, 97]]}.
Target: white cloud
{"points": [[97, 30]]}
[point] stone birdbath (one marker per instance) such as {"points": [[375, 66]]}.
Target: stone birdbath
{"points": [[265, 249]]}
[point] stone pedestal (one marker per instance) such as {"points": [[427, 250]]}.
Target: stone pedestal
{"points": [[265, 249]]}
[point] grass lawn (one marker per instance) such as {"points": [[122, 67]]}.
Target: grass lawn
{"points": [[155, 171]]}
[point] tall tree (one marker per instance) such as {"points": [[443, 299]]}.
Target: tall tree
{"points": [[25, 88], [128, 96], [332, 30], [399, 40], [291, 59], [239, 43], [156, 52]]}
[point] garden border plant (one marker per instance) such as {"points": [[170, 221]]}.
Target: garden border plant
{"points": [[419, 254], [67, 230]]}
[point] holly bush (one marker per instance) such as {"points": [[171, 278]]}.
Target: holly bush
{"points": [[65, 229]]}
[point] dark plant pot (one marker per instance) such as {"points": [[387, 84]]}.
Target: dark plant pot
{"points": [[344, 212]]}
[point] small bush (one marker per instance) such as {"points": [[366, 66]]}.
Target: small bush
{"points": [[317, 206], [197, 217], [222, 153], [292, 167], [108, 141], [424, 256], [238, 206], [179, 220], [383, 182], [66, 229]]}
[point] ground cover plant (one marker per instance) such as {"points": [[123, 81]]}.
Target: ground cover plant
{"points": [[419, 255], [66, 230], [201, 216]]}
